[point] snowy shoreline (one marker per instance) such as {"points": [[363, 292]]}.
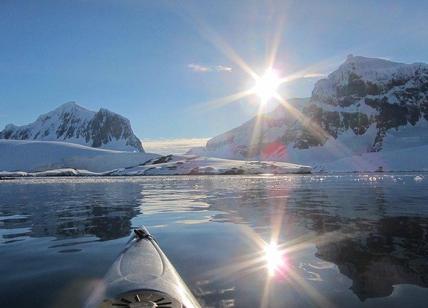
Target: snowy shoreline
{"points": [[70, 172], [177, 165]]}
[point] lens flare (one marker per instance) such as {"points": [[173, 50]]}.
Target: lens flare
{"points": [[267, 85], [274, 259]]}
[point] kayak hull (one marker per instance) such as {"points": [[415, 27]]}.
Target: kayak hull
{"points": [[142, 276]]}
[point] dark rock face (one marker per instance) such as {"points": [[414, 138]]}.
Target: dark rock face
{"points": [[353, 90], [73, 123], [323, 124], [106, 126]]}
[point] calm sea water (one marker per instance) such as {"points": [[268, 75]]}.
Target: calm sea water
{"points": [[347, 240]]}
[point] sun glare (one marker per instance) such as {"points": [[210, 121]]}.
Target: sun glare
{"points": [[274, 258], [267, 85]]}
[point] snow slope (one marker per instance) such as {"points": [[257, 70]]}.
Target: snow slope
{"points": [[75, 124], [407, 159], [31, 156]]}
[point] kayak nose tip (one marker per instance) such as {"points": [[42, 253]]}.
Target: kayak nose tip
{"points": [[142, 233]]}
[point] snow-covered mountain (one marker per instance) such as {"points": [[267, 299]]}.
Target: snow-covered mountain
{"points": [[362, 116], [75, 124]]}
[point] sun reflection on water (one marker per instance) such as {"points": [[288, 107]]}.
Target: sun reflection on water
{"points": [[274, 258]]}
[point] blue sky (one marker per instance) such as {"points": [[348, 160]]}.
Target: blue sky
{"points": [[156, 61]]}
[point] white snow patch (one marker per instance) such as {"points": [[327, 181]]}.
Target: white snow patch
{"points": [[186, 164], [418, 178]]}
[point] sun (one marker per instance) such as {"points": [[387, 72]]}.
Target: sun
{"points": [[267, 85]]}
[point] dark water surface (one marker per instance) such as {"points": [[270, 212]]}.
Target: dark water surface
{"points": [[347, 240]]}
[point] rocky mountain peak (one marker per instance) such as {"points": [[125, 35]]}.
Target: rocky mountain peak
{"points": [[361, 76], [73, 123]]}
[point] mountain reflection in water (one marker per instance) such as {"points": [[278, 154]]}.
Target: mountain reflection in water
{"points": [[348, 240], [69, 211]]}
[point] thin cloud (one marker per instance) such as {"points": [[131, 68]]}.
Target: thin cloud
{"points": [[198, 68], [173, 146], [222, 68], [314, 75]]}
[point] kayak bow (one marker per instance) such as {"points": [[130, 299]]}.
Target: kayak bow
{"points": [[142, 276]]}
